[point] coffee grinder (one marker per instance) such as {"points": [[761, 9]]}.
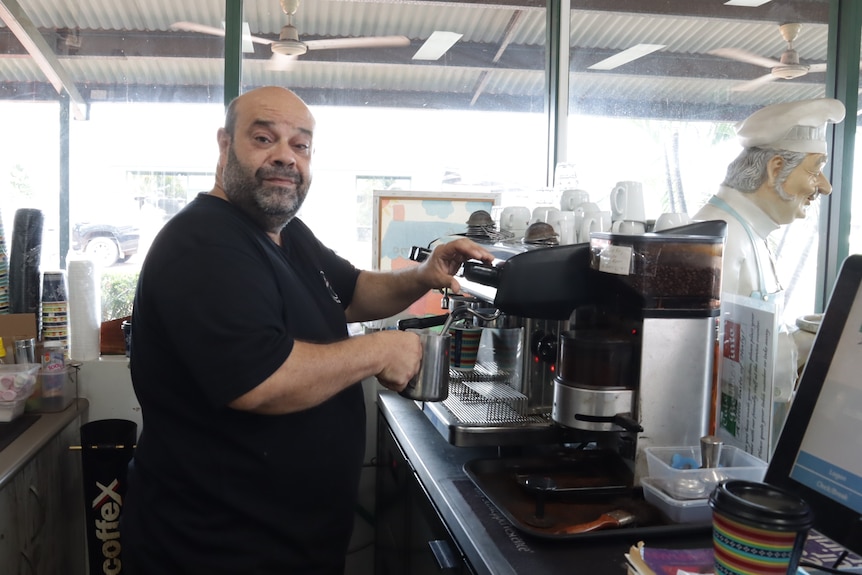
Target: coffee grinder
{"points": [[636, 365]]}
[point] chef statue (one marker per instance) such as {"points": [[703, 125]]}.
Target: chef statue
{"points": [[774, 179]]}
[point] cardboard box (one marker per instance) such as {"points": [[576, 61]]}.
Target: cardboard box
{"points": [[17, 326]]}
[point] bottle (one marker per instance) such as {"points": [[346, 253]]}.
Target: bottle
{"points": [[2, 352]]}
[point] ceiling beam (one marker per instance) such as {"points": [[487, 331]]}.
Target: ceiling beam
{"points": [[20, 24], [509, 33], [599, 106], [805, 11]]}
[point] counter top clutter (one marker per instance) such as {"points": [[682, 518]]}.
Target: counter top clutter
{"points": [[679, 486], [17, 382], [483, 535], [465, 527]]}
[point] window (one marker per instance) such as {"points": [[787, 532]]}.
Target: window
{"points": [[141, 103], [653, 95], [477, 115], [471, 118], [29, 170]]}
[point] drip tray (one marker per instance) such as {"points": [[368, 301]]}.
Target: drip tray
{"points": [[482, 409], [545, 494]]}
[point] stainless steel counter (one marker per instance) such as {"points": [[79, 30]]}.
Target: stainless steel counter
{"points": [[26, 445], [490, 543]]}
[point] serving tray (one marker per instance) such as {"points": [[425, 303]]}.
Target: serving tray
{"points": [[541, 495]]}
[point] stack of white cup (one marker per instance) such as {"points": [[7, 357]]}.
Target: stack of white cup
{"points": [[627, 208], [514, 220], [568, 219], [85, 309], [592, 219]]}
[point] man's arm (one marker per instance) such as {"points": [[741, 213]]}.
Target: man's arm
{"points": [[313, 373], [384, 294]]}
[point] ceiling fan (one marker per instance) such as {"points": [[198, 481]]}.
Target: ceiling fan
{"points": [[787, 68], [288, 46]]}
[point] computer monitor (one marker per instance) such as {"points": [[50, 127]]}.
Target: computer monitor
{"points": [[819, 452]]}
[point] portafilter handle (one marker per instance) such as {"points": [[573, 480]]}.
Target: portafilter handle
{"points": [[446, 319], [482, 273], [419, 254], [463, 311], [422, 322]]}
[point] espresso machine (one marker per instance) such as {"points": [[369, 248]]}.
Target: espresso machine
{"points": [[616, 343]]}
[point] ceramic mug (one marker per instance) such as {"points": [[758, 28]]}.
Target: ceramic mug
{"points": [[564, 225], [571, 199], [594, 222], [628, 227], [671, 220], [515, 219], [627, 202], [581, 212], [542, 213]]}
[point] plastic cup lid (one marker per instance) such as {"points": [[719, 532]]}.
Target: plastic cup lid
{"points": [[761, 505]]}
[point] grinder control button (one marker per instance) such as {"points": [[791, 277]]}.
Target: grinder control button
{"points": [[544, 346]]}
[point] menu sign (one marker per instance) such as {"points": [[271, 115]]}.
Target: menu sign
{"points": [[749, 329]]}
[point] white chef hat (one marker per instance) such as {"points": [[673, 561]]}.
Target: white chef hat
{"points": [[793, 126]]}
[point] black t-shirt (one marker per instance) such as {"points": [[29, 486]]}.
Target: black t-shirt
{"points": [[213, 489]]}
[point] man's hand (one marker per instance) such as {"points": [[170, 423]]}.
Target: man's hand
{"points": [[383, 294], [401, 353], [446, 259]]}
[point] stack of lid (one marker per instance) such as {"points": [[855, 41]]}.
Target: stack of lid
{"points": [[480, 225], [55, 310], [541, 234]]}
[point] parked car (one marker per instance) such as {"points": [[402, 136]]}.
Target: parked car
{"points": [[107, 244]]}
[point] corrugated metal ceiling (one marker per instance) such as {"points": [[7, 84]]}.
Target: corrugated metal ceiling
{"points": [[593, 33]]}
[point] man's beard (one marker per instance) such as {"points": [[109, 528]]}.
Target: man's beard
{"points": [[271, 207]]}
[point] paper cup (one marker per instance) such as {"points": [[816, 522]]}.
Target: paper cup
{"points": [[757, 528], [463, 347]]}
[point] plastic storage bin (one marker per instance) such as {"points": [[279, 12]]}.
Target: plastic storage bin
{"points": [[17, 382], [677, 510], [733, 463], [54, 390], [9, 410]]}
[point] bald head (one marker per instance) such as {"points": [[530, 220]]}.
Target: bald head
{"points": [[267, 97], [265, 151]]}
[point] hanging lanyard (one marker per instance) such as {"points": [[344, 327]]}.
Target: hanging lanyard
{"points": [[724, 206]]}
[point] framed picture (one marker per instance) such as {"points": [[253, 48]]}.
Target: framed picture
{"points": [[402, 220]]}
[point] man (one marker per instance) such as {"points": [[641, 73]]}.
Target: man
{"points": [[773, 181], [254, 422]]}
